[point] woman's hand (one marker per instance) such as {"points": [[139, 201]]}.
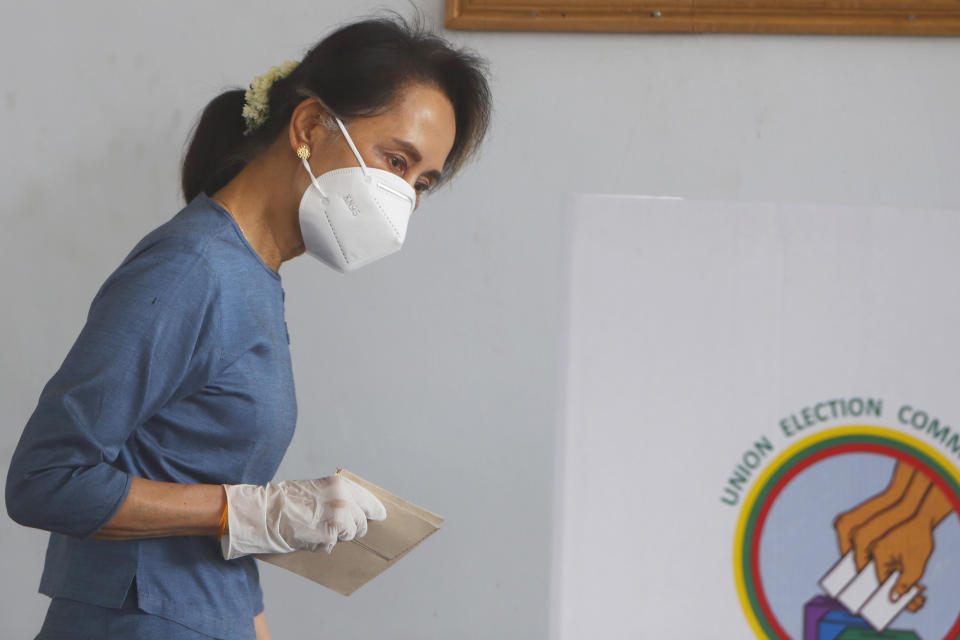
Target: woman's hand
{"points": [[296, 515]]}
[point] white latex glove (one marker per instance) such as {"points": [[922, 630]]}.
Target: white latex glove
{"points": [[296, 514]]}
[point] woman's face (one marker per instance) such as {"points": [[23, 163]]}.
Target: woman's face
{"points": [[411, 139]]}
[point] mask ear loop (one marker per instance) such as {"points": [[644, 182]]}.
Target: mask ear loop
{"points": [[363, 165], [313, 179], [353, 147]]}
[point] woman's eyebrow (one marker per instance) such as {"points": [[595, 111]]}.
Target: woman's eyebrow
{"points": [[411, 150]]}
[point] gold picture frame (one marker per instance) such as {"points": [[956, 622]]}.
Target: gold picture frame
{"points": [[876, 17]]}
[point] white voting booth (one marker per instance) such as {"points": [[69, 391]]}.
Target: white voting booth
{"points": [[738, 377]]}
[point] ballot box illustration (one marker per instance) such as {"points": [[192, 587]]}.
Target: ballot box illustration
{"points": [[813, 613], [866, 634], [827, 619], [836, 623]]}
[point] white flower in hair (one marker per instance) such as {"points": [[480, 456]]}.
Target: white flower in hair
{"points": [[256, 105]]}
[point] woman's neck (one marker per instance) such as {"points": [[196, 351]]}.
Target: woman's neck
{"points": [[262, 202]]}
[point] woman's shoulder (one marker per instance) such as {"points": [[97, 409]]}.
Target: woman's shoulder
{"points": [[200, 249], [197, 229], [184, 251], [200, 234]]}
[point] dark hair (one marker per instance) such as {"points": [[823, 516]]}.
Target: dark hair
{"points": [[357, 71]]}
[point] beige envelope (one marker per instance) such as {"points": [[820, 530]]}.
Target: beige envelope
{"points": [[353, 564]]}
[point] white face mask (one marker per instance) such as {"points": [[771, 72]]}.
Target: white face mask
{"points": [[353, 216]]}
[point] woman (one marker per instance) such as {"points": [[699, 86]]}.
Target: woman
{"points": [[162, 429]]}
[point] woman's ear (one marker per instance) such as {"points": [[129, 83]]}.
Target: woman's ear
{"points": [[309, 122]]}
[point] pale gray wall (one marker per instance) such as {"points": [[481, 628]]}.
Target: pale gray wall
{"points": [[435, 372]]}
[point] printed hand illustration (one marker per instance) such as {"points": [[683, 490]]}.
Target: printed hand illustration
{"points": [[867, 534], [907, 548], [895, 529], [847, 523]]}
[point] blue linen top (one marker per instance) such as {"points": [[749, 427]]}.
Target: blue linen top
{"points": [[181, 374]]}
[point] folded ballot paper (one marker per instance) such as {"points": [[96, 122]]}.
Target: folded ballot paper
{"points": [[861, 593], [355, 563]]}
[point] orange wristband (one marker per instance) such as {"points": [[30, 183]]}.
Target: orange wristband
{"points": [[223, 521]]}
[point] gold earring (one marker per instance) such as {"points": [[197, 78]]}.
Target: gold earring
{"points": [[303, 152]]}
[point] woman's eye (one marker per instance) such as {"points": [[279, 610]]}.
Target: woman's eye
{"points": [[397, 162], [421, 187]]}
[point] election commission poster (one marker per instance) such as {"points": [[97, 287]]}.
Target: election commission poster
{"points": [[760, 422]]}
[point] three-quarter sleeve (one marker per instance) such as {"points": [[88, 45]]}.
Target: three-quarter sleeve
{"points": [[151, 336]]}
